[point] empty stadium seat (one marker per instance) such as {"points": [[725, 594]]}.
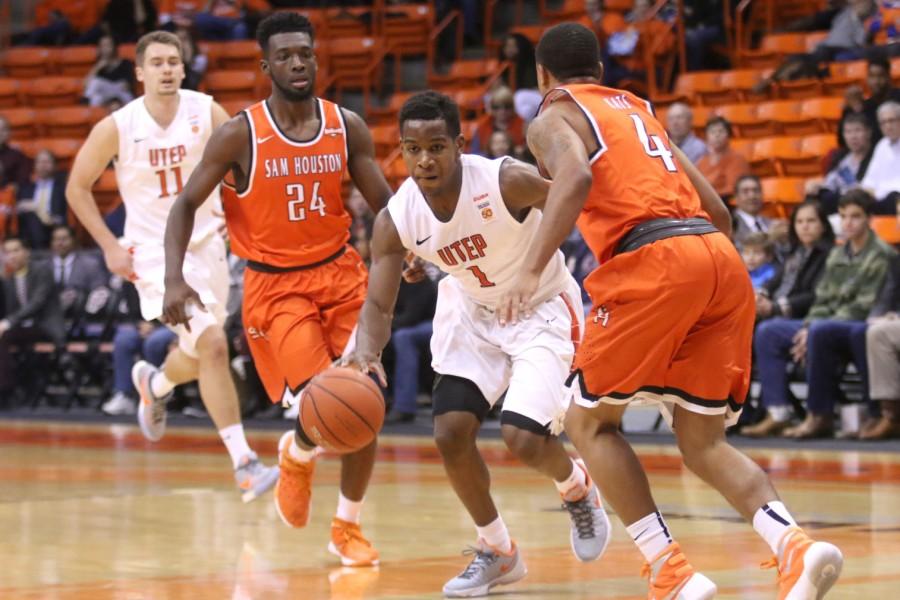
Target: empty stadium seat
{"points": [[387, 113], [406, 28], [52, 91], [768, 152], [466, 73], [826, 111], [28, 62], [10, 92], [887, 228], [64, 149], [842, 75], [741, 82], [385, 137], [349, 22], [773, 48], [76, 61], [785, 190], [106, 191], [799, 88], [352, 61], [789, 117], [744, 120], [231, 85], [70, 121], [23, 122], [239, 55]]}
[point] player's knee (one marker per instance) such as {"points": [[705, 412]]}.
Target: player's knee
{"points": [[212, 345], [452, 438], [526, 446]]}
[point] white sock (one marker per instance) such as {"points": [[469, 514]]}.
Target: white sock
{"points": [[651, 535], [780, 413], [771, 522], [160, 385], [573, 487], [496, 535], [298, 453], [235, 442], [348, 510]]}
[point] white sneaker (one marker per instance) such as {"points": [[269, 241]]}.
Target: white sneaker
{"points": [[292, 413], [119, 404]]}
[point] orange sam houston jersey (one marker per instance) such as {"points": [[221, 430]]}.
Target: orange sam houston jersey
{"points": [[291, 212]]}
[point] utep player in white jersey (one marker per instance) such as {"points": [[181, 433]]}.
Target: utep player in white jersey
{"points": [[473, 218], [155, 142]]}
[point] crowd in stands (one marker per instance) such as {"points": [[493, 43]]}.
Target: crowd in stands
{"points": [[828, 289]]}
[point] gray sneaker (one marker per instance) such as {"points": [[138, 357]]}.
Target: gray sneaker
{"points": [[487, 569], [151, 410], [254, 478], [591, 529], [119, 404]]}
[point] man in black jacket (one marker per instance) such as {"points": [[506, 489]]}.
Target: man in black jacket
{"points": [[32, 311]]}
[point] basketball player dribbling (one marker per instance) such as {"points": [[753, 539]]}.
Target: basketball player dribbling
{"points": [[673, 318], [304, 285], [473, 217], [154, 143]]}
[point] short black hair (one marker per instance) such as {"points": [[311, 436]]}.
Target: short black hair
{"points": [[717, 120], [68, 229], [282, 22], [743, 178], [879, 60], [432, 106], [858, 197], [569, 50], [859, 119], [15, 238]]}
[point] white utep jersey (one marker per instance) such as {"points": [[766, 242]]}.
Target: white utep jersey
{"points": [[482, 246], [153, 164]]}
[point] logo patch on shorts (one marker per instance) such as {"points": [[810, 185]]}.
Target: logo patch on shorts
{"points": [[602, 316]]}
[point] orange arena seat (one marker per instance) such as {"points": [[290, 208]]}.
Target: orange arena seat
{"points": [[348, 22], [887, 228], [76, 61], [64, 149], [350, 59], [741, 82], [744, 120], [10, 92], [70, 121], [768, 152], [407, 27], [789, 117], [826, 111], [28, 62], [23, 123], [239, 55], [842, 75], [231, 85], [385, 137], [106, 191], [465, 73], [380, 115], [773, 47], [786, 190], [233, 107], [53, 91]]}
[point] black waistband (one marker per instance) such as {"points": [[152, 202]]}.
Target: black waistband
{"points": [[660, 229], [264, 268]]}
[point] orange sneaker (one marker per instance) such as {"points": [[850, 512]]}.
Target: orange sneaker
{"points": [[672, 577], [806, 568], [293, 491], [348, 543]]}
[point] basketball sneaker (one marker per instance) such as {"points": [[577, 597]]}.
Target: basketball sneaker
{"points": [[672, 577], [151, 411], [806, 568], [348, 543], [488, 568], [590, 530], [254, 478], [293, 492]]}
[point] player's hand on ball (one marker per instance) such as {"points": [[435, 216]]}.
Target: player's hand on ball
{"points": [[119, 261], [175, 303], [366, 364], [516, 303]]}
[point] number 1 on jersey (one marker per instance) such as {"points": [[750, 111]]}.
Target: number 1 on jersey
{"points": [[163, 187], [480, 276], [659, 149]]}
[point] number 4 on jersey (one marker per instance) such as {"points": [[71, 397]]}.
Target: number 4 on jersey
{"points": [[658, 148]]}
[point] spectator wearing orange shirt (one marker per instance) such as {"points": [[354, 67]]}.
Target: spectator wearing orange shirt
{"points": [[721, 165], [503, 118]]}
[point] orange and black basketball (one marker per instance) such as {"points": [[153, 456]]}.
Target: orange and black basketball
{"points": [[341, 410]]}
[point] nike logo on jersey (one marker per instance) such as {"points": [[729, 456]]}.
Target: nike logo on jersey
{"points": [[260, 140], [139, 140], [420, 242]]}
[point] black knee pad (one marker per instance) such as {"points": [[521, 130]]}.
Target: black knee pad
{"points": [[451, 393]]}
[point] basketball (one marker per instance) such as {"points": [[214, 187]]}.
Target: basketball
{"points": [[341, 410]]}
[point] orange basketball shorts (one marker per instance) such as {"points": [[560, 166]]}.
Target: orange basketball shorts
{"points": [[671, 323], [298, 322]]}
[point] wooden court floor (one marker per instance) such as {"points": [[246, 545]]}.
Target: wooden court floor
{"points": [[95, 512]]}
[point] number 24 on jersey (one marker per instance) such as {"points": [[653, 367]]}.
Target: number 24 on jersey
{"points": [[297, 207]]}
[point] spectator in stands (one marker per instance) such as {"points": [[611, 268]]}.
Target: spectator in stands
{"points": [[55, 32], [32, 312], [849, 171], [134, 338], [704, 27], [411, 335], [503, 118], [15, 167], [680, 125], [758, 254], [747, 217], [226, 19], [854, 274], [878, 82], [73, 269], [195, 62], [819, 20], [603, 23], [125, 20], [519, 51], [883, 359], [848, 39], [41, 203], [721, 165], [500, 144], [111, 77], [626, 48], [790, 293], [882, 177]]}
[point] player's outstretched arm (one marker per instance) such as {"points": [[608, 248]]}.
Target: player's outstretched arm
{"points": [[374, 326], [555, 142], [709, 199], [98, 150], [223, 150], [522, 186], [361, 163]]}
